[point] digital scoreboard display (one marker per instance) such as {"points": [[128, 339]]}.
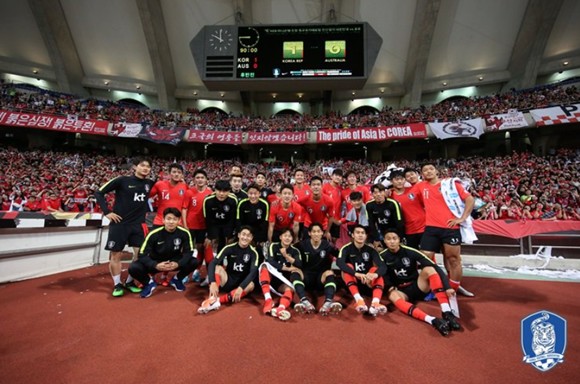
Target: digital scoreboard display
{"points": [[300, 51]]}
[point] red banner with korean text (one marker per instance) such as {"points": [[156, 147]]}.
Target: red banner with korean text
{"points": [[53, 123], [295, 138], [214, 137], [398, 132]]}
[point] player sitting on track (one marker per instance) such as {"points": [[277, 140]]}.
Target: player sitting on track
{"points": [[362, 267], [408, 283], [165, 249], [316, 272], [282, 260], [232, 271]]}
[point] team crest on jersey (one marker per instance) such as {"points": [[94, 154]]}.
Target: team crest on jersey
{"points": [[323, 208], [291, 215], [406, 261], [147, 188], [322, 254], [387, 213], [366, 256], [181, 192], [226, 208], [110, 244], [176, 243], [544, 337], [246, 257], [411, 196]]}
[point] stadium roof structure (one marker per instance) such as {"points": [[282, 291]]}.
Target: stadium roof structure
{"points": [[142, 46]]}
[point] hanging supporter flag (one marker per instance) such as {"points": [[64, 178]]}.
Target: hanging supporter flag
{"points": [[458, 129], [511, 120], [276, 138], [399, 132], [123, 129], [561, 114], [214, 137], [163, 135], [53, 123]]}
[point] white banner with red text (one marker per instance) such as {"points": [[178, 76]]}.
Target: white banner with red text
{"points": [[123, 129], [512, 120]]}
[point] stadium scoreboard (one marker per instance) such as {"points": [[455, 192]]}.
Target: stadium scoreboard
{"points": [[263, 57]]}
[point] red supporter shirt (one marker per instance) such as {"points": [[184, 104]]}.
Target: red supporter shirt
{"points": [[168, 196], [359, 188], [335, 194], [33, 206], [285, 217], [317, 211], [80, 196], [413, 211], [437, 214], [54, 204], [193, 202]]}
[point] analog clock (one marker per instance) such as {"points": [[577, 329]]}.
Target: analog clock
{"points": [[220, 39], [248, 37]]}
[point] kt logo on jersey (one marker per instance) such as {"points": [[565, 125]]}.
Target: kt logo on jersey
{"points": [[544, 337]]}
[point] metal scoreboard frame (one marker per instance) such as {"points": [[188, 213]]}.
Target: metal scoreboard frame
{"points": [[293, 57]]}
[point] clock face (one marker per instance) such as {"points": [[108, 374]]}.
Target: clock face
{"points": [[248, 37], [220, 39]]}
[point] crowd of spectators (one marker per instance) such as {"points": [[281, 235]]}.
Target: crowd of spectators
{"points": [[23, 98], [520, 186]]}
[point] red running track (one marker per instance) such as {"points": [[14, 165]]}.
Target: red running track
{"points": [[67, 328]]}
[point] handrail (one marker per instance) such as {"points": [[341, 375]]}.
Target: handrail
{"points": [[40, 251]]}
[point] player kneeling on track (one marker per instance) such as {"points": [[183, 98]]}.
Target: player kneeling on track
{"points": [[362, 267], [316, 272], [408, 283], [167, 248], [231, 271], [281, 261]]}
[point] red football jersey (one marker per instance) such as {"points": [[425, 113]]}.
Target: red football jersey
{"points": [[317, 211], [168, 196], [285, 217], [193, 202], [335, 194], [437, 214], [413, 211], [302, 193]]}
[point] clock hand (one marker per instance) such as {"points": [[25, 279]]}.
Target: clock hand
{"points": [[218, 37]]}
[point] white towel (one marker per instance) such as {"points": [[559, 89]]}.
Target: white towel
{"points": [[274, 272], [457, 206]]}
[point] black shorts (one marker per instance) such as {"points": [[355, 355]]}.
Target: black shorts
{"points": [[434, 238], [414, 240], [312, 281], [217, 232], [276, 283], [198, 235], [413, 292], [233, 282], [124, 234]]}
